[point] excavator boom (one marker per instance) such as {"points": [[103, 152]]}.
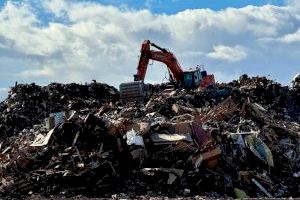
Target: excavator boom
{"points": [[163, 56]]}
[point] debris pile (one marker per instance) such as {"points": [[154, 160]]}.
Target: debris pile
{"points": [[30, 104], [239, 139]]}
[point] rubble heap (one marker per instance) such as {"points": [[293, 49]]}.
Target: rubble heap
{"points": [[239, 140], [30, 104]]}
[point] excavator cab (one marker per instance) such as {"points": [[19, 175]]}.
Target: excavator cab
{"points": [[195, 78], [192, 78]]}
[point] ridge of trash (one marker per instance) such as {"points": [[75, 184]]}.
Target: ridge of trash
{"points": [[29, 104], [237, 140]]}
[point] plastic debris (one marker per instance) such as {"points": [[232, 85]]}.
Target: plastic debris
{"points": [[260, 149], [261, 188], [240, 194], [134, 138]]}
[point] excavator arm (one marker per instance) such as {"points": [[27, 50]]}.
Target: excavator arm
{"points": [[163, 56], [144, 61]]}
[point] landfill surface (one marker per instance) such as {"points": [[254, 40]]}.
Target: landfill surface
{"points": [[236, 140]]}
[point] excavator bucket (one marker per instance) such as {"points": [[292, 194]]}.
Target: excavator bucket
{"points": [[132, 91]]}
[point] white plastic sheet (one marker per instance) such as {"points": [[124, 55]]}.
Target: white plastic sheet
{"points": [[133, 138]]}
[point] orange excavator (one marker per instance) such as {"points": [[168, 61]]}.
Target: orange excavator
{"points": [[189, 79]]}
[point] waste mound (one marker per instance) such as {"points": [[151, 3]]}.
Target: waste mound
{"points": [[236, 140], [30, 104]]}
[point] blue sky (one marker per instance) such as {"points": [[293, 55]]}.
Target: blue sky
{"points": [[174, 6], [47, 41]]}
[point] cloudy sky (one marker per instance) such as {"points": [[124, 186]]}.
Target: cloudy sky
{"points": [[45, 41]]}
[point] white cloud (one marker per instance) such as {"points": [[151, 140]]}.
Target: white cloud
{"points": [[56, 6], [292, 37], [231, 54], [85, 40], [293, 3], [38, 73], [4, 89], [222, 77]]}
